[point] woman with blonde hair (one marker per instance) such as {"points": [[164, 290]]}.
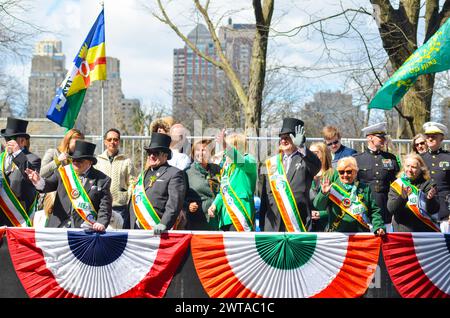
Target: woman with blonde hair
{"points": [[53, 158], [320, 149], [412, 198], [234, 204]]}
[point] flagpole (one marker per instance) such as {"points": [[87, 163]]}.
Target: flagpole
{"points": [[103, 101], [103, 118]]}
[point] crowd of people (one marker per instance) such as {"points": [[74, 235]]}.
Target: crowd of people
{"points": [[324, 187]]}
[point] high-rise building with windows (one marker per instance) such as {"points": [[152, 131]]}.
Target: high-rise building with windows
{"points": [[200, 89], [47, 73]]}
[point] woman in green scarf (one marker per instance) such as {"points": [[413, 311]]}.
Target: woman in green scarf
{"points": [[412, 198], [349, 203]]}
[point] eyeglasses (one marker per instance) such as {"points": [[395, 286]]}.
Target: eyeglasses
{"points": [[155, 153], [333, 143], [112, 139], [420, 143], [77, 160], [431, 136], [342, 172]]}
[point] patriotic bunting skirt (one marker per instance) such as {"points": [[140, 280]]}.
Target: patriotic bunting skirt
{"points": [[69, 263]]}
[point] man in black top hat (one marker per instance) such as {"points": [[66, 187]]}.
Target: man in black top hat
{"points": [[159, 193], [15, 159], [83, 192], [299, 166]]}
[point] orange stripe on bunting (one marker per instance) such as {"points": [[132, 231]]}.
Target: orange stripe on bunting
{"points": [[211, 264], [358, 268]]}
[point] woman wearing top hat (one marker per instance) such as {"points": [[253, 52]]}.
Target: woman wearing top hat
{"points": [[14, 160], [83, 197], [158, 195]]}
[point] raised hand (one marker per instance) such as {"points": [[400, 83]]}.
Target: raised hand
{"points": [[220, 139], [299, 139], [12, 146], [431, 193], [33, 176], [325, 185]]}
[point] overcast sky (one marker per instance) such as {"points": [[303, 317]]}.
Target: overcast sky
{"points": [[144, 45]]}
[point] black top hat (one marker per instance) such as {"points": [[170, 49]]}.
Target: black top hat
{"points": [[160, 142], [84, 150], [15, 128], [289, 125]]}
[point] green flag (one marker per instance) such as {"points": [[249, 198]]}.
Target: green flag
{"points": [[431, 57]]}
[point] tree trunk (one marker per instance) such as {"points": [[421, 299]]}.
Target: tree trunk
{"points": [[417, 103]]}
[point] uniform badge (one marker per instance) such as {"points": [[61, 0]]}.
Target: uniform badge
{"points": [[444, 164], [346, 202], [387, 163], [75, 193]]}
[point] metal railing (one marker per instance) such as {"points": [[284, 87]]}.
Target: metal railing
{"points": [[133, 146]]}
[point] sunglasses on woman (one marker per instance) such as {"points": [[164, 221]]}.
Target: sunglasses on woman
{"points": [[422, 143], [342, 172], [329, 144]]}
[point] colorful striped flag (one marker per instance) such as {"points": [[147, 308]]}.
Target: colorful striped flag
{"points": [[89, 65]]}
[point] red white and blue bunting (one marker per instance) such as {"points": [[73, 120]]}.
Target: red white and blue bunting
{"points": [[74, 263], [285, 265], [419, 264]]}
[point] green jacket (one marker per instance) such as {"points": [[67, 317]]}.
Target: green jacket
{"points": [[243, 181], [321, 224], [203, 186], [349, 224]]}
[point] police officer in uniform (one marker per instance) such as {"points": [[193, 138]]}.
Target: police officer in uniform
{"points": [[377, 167], [438, 162]]}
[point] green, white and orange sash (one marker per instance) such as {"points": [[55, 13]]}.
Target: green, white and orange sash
{"points": [[143, 208], [413, 202], [355, 208], [10, 204], [235, 209], [283, 195], [77, 194]]}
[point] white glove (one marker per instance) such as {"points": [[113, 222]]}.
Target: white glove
{"points": [[159, 228], [299, 139]]}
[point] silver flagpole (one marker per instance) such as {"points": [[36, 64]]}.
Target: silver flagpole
{"points": [[103, 101]]}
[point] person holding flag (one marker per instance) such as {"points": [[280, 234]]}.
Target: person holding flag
{"points": [[83, 193], [88, 66], [17, 195]]}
